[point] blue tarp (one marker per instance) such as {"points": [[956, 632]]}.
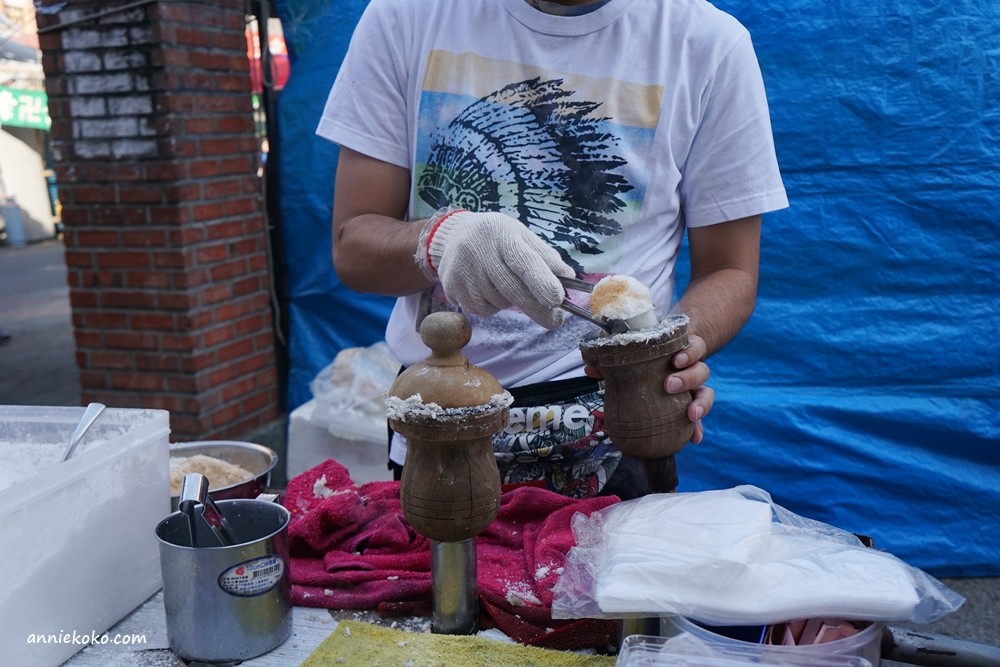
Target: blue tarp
{"points": [[864, 391], [325, 316]]}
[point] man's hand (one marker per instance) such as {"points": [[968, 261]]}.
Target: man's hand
{"points": [[488, 262], [691, 375]]}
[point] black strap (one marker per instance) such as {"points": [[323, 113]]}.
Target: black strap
{"points": [[554, 391]]}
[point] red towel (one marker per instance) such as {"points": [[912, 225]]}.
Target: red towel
{"points": [[351, 548]]}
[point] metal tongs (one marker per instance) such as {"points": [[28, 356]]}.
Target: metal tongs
{"points": [[194, 492], [612, 326]]}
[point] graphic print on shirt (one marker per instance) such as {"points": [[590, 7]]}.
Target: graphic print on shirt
{"points": [[534, 147], [562, 443]]}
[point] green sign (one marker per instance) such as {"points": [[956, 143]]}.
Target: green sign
{"points": [[24, 108]]}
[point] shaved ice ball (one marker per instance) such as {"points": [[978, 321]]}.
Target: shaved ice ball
{"points": [[623, 298]]}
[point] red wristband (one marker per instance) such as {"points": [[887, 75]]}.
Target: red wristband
{"points": [[430, 236]]}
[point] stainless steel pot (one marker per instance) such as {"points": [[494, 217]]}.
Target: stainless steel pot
{"points": [[258, 459], [227, 603]]}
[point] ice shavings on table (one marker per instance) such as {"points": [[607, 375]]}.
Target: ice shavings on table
{"points": [[321, 490], [408, 409], [520, 593], [732, 557]]}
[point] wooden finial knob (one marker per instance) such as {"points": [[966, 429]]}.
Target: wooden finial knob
{"points": [[446, 377], [446, 333]]}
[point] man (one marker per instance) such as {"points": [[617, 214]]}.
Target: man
{"points": [[489, 147]]}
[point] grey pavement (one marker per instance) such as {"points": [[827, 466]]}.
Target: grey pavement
{"points": [[38, 367]]}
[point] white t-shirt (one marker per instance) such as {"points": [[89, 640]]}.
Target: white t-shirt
{"points": [[605, 133]]}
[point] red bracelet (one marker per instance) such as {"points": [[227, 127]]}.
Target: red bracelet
{"points": [[430, 236]]}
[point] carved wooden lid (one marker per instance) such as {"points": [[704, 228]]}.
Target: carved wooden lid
{"points": [[446, 378]]}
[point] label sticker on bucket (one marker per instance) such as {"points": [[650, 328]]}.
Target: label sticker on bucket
{"points": [[252, 577]]}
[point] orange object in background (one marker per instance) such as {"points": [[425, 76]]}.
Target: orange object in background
{"points": [[280, 65]]}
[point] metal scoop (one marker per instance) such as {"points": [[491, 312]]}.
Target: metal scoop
{"points": [[194, 492], [612, 326], [90, 415]]}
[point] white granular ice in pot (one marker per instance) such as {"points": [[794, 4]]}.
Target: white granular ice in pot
{"points": [[218, 472], [21, 461]]}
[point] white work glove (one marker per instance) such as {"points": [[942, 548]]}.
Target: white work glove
{"points": [[487, 262]]}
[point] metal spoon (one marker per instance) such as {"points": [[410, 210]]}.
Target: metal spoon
{"points": [[609, 325], [90, 415]]}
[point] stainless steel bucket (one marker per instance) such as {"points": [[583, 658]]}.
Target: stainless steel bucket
{"points": [[227, 603]]}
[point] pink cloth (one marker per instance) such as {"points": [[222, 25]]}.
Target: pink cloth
{"points": [[351, 548]]}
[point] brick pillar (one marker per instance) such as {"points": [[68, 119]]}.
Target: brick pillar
{"points": [[165, 231]]}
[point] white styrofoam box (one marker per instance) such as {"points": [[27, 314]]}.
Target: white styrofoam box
{"points": [[359, 443], [77, 544]]}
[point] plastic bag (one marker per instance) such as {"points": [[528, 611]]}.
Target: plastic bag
{"points": [[686, 650], [350, 392], [733, 557]]}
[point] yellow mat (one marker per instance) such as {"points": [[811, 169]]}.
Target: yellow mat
{"points": [[359, 644]]}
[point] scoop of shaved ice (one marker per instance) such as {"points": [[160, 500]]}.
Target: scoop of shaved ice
{"points": [[620, 298]]}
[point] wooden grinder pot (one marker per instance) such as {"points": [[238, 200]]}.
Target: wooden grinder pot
{"points": [[449, 411], [642, 419]]}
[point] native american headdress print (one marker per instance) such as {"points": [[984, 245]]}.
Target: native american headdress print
{"points": [[530, 150]]}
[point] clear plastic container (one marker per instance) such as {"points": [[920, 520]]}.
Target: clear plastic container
{"points": [[77, 541], [866, 644], [651, 651]]}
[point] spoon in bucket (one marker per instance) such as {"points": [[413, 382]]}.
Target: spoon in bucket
{"points": [[90, 415]]}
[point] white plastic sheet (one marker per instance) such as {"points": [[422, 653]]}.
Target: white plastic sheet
{"points": [[733, 557]]}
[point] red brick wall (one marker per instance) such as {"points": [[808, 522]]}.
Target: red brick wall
{"points": [[165, 230]]}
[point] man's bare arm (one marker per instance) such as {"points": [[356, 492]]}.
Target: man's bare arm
{"points": [[719, 299], [372, 244], [722, 292]]}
